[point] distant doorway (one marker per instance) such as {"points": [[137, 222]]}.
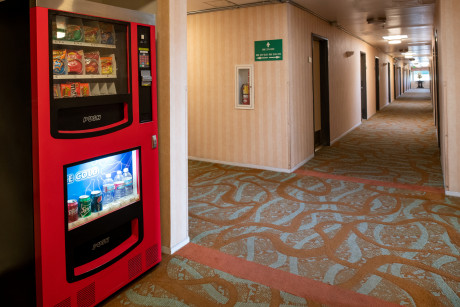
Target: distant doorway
{"points": [[363, 87], [436, 77], [389, 83], [320, 91], [394, 81], [377, 84]]}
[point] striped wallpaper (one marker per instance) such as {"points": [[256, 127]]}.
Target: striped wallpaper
{"points": [[278, 133], [217, 42]]}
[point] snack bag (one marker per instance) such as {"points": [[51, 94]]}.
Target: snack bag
{"points": [[84, 90], [56, 91], [75, 89], [74, 33], [59, 64], [107, 33], [92, 63], [75, 62], [65, 90], [91, 30], [107, 63]]}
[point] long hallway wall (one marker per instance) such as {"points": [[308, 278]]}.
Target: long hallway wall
{"points": [[278, 133], [344, 81], [447, 23]]}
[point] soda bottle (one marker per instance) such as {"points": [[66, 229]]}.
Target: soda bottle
{"points": [[128, 179], [119, 186], [107, 191]]}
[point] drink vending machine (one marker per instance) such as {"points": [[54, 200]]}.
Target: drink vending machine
{"points": [[81, 156]]}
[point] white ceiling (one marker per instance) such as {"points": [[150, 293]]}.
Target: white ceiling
{"points": [[411, 17]]}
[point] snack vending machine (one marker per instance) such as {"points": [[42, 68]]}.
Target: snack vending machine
{"points": [[83, 201]]}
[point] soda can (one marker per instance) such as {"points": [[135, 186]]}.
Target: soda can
{"points": [[84, 206], [72, 207], [96, 201]]}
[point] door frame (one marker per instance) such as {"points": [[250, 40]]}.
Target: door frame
{"points": [[325, 135], [363, 84], [377, 84], [389, 83], [394, 81], [437, 104]]}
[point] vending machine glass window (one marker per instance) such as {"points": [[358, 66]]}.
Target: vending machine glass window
{"points": [[90, 80], [100, 186]]}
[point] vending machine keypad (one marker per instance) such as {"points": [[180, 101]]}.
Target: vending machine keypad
{"points": [[145, 74]]}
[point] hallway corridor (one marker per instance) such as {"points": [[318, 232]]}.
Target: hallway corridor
{"points": [[364, 223], [398, 144]]}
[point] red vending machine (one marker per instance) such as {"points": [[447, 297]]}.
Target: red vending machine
{"points": [[93, 150]]}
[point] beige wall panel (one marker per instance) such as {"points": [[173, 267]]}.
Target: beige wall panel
{"points": [[301, 27], [344, 81], [449, 91], [172, 123], [278, 133], [217, 42]]}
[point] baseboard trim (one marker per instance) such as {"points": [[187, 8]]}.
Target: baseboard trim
{"points": [[451, 193], [301, 163], [267, 168], [344, 134], [175, 248]]}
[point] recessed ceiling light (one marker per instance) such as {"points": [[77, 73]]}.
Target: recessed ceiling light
{"points": [[393, 37], [394, 42]]}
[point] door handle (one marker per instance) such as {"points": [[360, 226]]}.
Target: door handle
{"points": [[154, 141]]}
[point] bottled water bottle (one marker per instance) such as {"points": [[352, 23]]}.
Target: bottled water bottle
{"points": [[107, 191], [119, 186], [128, 179]]}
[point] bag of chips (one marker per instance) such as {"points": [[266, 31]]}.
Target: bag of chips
{"points": [[59, 62], [84, 90], [66, 90], [107, 33], [74, 33], [75, 62], [91, 30], [75, 89], [92, 62], [108, 65], [56, 91]]}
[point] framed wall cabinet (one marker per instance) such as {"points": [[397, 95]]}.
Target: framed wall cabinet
{"points": [[244, 87]]}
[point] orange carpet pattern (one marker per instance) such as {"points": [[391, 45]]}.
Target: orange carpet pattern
{"points": [[178, 281], [398, 245], [366, 217], [398, 144]]}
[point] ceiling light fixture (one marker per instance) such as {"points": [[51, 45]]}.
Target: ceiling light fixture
{"points": [[395, 37], [394, 42]]}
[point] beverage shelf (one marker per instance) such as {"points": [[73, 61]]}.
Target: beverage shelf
{"points": [[82, 44], [74, 77], [108, 208]]}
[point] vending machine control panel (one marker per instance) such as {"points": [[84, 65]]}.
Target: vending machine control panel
{"points": [[145, 74]]}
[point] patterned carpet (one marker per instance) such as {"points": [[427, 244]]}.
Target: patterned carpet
{"points": [[397, 244], [178, 281], [398, 144]]}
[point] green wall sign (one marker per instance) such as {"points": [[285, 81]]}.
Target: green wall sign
{"points": [[270, 50]]}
